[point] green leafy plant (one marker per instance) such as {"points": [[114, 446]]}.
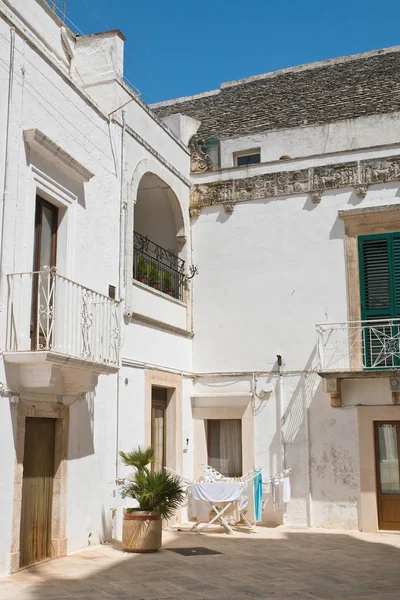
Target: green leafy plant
{"points": [[154, 275], [158, 492], [168, 282], [142, 267]]}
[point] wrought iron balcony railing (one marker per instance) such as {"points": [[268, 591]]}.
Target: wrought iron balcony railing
{"points": [[158, 268], [359, 345], [48, 312]]}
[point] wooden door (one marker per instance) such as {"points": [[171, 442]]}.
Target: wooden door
{"points": [[158, 427], [387, 440], [37, 490]]}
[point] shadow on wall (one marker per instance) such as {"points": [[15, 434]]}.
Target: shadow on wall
{"points": [[322, 441], [81, 426], [278, 564], [293, 423]]}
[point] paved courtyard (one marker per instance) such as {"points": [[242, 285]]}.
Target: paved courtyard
{"points": [[272, 563]]}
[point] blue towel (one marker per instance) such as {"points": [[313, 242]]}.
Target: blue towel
{"points": [[258, 493]]}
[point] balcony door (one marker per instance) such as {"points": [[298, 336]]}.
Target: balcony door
{"points": [[387, 444], [45, 253], [379, 259]]}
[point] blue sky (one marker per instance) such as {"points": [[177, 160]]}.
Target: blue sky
{"points": [[179, 48]]}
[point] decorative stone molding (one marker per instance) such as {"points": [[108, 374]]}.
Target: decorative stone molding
{"points": [[316, 197], [39, 142], [313, 181], [5, 392], [361, 191], [229, 207], [199, 160], [333, 388], [195, 211]]}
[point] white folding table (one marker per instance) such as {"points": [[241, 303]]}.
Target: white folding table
{"points": [[221, 496]]}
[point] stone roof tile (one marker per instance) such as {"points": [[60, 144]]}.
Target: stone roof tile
{"points": [[313, 94]]}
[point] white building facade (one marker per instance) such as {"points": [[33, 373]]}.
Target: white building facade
{"points": [[295, 221], [111, 340]]}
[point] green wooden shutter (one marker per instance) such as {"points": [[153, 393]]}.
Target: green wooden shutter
{"points": [[379, 262], [375, 276], [395, 238]]}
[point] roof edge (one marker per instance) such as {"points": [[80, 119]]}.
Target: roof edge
{"points": [[295, 69], [184, 99]]}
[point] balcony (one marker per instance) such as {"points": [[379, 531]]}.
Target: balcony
{"points": [[60, 335], [357, 349], [158, 268]]}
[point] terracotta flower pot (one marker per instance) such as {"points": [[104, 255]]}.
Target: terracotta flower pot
{"points": [[141, 532], [155, 285]]}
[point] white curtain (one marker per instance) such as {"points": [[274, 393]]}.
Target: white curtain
{"points": [[225, 446], [388, 459]]}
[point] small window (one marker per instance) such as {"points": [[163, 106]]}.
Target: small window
{"points": [[250, 157]]}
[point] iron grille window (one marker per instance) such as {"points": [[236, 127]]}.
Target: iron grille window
{"points": [[157, 267]]}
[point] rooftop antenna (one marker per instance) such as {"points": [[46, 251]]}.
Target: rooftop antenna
{"points": [[59, 7]]}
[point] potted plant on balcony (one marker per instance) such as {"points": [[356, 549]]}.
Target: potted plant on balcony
{"points": [[158, 494], [154, 276], [168, 284], [141, 269]]}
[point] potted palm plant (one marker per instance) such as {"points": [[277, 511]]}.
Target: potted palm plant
{"points": [[154, 276], [168, 284], [141, 269], [158, 495]]}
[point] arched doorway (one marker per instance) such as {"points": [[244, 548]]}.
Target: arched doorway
{"points": [[159, 238]]}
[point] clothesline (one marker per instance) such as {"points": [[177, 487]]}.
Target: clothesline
{"points": [[278, 476], [280, 489]]}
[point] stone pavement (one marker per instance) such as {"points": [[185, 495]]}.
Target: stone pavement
{"points": [[276, 564]]}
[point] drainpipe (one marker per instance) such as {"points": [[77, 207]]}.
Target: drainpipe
{"points": [[6, 154], [281, 412], [308, 459], [121, 274], [122, 215]]}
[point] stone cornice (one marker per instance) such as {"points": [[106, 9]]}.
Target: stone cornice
{"points": [[39, 142], [313, 181], [368, 210]]}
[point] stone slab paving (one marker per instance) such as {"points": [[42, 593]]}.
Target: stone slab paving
{"points": [[275, 564]]}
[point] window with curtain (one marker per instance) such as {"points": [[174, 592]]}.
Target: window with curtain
{"points": [[224, 440], [388, 458]]}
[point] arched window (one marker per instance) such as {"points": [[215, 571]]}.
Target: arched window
{"points": [[158, 237]]}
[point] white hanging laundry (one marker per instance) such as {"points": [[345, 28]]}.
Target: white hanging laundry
{"points": [[287, 492], [277, 494]]}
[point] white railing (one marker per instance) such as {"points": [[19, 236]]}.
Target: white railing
{"points": [[359, 345], [47, 311]]}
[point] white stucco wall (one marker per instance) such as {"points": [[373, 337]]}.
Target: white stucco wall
{"points": [[317, 141], [46, 99], [267, 274], [270, 271]]}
